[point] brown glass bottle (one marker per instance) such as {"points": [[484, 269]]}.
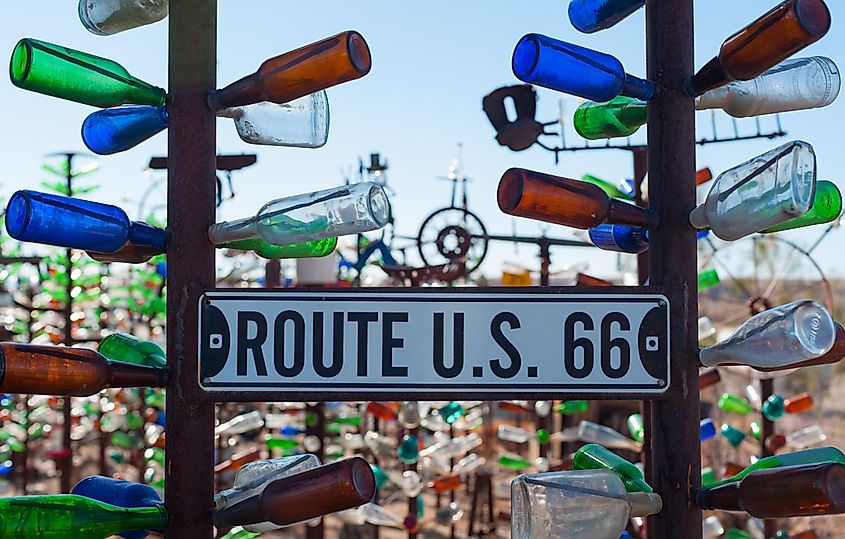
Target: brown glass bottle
{"points": [[300, 497], [582, 279], [793, 491], [803, 402], [78, 372], [129, 254], [708, 378], [236, 462], [525, 193], [771, 39], [295, 74]]}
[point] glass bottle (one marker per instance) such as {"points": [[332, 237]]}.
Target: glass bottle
{"points": [[78, 224], [795, 84], [381, 411], [590, 16], [572, 407], [708, 475], [636, 427], [238, 532], [706, 429], [253, 477], [118, 129], [775, 442], [761, 193], [806, 437], [582, 279], [119, 493], [525, 193], [513, 462], [128, 254], [703, 175], [708, 377], [706, 332], [619, 238], [451, 412], [620, 117], [590, 432], [732, 434], [108, 17], [240, 424], [772, 38], [308, 249], [756, 430], [516, 435], [58, 71], [575, 70], [301, 123], [607, 187], [776, 338], [773, 408], [581, 504], [281, 79], [379, 516], [734, 404], [408, 451], [237, 461], [803, 402], [808, 456], [349, 209], [793, 491], [827, 207], [711, 528], [596, 457], [303, 496], [708, 279], [60, 370], [446, 483], [469, 463], [131, 349], [70, 515]]}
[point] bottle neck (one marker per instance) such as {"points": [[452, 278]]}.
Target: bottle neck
{"points": [[711, 76], [143, 235], [230, 231], [644, 503], [622, 213], [139, 518], [242, 92], [633, 114], [637, 87], [129, 375], [724, 497]]}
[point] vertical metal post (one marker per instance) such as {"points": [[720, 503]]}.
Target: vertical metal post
{"points": [[272, 274], [675, 459], [189, 472], [770, 527], [66, 460], [315, 425]]}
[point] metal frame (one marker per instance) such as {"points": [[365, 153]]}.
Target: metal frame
{"points": [[673, 462]]}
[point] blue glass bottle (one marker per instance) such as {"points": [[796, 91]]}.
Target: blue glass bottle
{"points": [[620, 238], [118, 129], [575, 70], [120, 493], [590, 16], [706, 429], [78, 224]]}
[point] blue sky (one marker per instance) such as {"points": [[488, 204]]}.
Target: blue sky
{"points": [[432, 64]]}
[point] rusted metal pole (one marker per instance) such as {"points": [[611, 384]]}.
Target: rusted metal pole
{"points": [[675, 459], [189, 472], [770, 527], [66, 460], [315, 425]]}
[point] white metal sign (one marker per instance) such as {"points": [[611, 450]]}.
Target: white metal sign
{"points": [[476, 343]]}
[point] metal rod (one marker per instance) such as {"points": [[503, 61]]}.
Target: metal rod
{"points": [[770, 527], [315, 425], [675, 460], [189, 472], [66, 459]]}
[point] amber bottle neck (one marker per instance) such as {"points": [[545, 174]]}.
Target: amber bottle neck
{"points": [[622, 213], [711, 76], [724, 498], [129, 375], [245, 91]]}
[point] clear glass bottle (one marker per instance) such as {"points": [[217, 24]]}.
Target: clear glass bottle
{"points": [[806, 437], [772, 38], [107, 17], [776, 338], [513, 434], [582, 504], [763, 192], [301, 123], [349, 209], [575, 70], [795, 84], [605, 436], [240, 424]]}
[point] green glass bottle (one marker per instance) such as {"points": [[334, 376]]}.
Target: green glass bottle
{"points": [[155, 397], [131, 349], [636, 427], [773, 408], [408, 451], [735, 405], [451, 412], [807, 456], [351, 420], [78, 76], [606, 186], [69, 515], [732, 434], [736, 533], [310, 249], [707, 475], [278, 442], [597, 457], [125, 440], [239, 533], [620, 117], [543, 436], [154, 454], [514, 462], [707, 279], [380, 475], [756, 430], [827, 207], [572, 407]]}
